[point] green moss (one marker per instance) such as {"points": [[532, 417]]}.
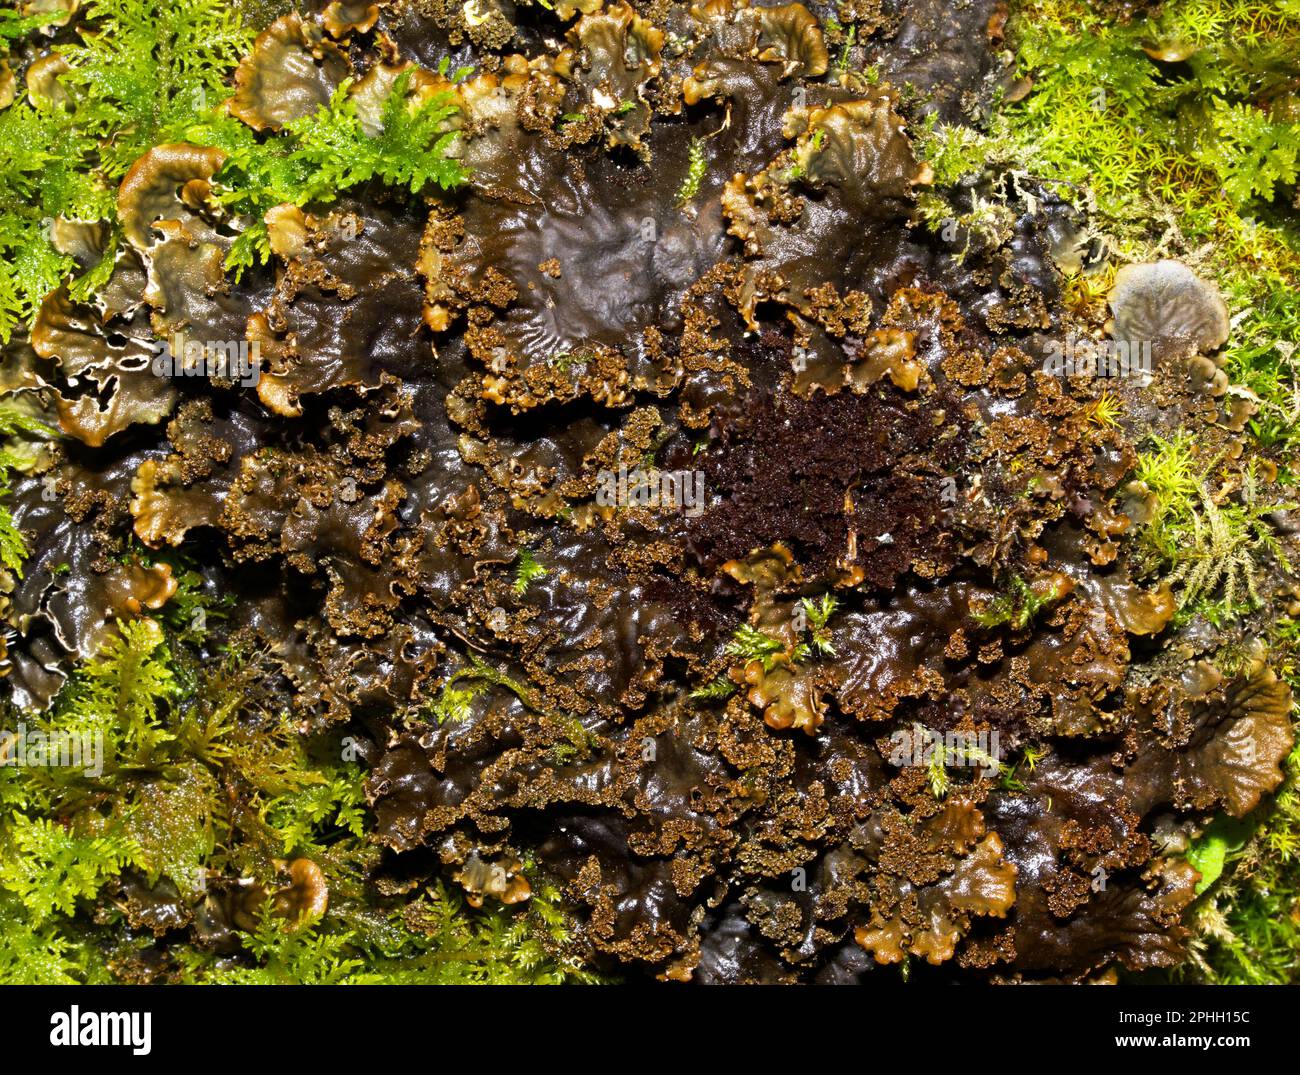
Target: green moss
{"points": [[36, 955], [1103, 113], [143, 72], [750, 644], [818, 614], [1261, 356], [146, 66], [15, 426], [70, 831], [527, 571], [319, 156], [1018, 606], [696, 166], [1010, 778], [715, 690], [201, 780], [437, 939], [1247, 922], [1210, 552], [1169, 469], [50, 868], [136, 68], [1191, 160], [306, 820], [452, 704]]}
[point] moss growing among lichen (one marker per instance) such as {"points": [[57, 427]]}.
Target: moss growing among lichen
{"points": [[274, 763], [193, 786]]}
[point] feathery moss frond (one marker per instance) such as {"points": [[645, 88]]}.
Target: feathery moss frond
{"points": [[750, 644], [50, 868], [527, 571], [1019, 606], [124, 694], [1206, 546], [715, 690], [321, 155], [14, 423], [819, 613]]}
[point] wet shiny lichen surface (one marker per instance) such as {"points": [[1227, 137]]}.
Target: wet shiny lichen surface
{"points": [[629, 511]]}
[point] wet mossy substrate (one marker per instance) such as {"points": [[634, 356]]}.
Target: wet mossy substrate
{"points": [[390, 692]]}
